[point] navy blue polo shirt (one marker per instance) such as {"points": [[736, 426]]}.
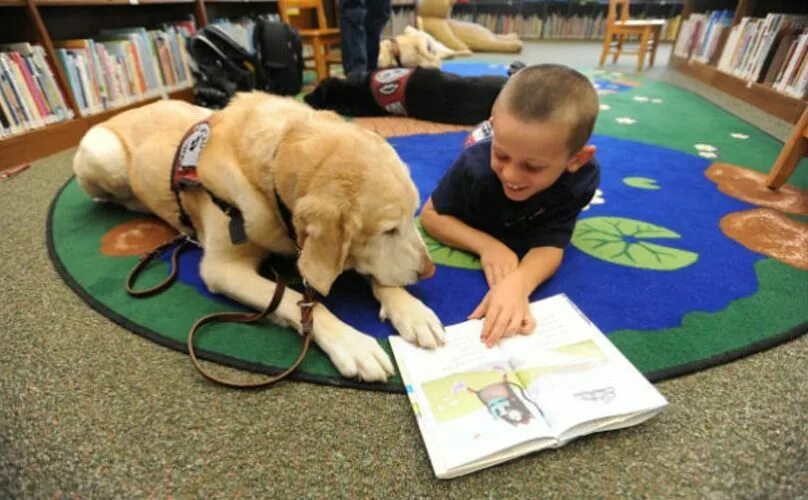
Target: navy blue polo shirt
{"points": [[471, 191]]}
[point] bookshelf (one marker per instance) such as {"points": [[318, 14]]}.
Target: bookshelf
{"points": [[403, 15], [561, 19], [42, 22], [761, 95]]}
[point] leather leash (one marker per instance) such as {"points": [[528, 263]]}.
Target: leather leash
{"points": [[306, 320], [306, 312], [184, 243]]}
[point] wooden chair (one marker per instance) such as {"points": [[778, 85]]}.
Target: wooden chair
{"points": [[321, 38], [619, 27], [795, 148]]}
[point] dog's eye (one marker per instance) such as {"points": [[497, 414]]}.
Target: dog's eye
{"points": [[391, 232]]}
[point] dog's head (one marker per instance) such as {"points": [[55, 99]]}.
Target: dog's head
{"points": [[348, 96], [354, 206], [319, 97]]}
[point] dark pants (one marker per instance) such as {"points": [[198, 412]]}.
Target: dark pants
{"points": [[361, 23]]}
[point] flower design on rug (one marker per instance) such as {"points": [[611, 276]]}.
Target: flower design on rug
{"points": [[706, 150]]}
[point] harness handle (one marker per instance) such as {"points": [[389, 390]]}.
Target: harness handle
{"points": [[184, 243], [306, 306]]}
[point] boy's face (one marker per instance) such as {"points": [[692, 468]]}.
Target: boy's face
{"points": [[529, 157]]}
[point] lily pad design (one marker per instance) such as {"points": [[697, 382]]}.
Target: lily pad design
{"points": [[445, 255], [640, 182], [625, 242]]}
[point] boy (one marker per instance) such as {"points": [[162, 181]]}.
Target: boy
{"points": [[513, 197]]}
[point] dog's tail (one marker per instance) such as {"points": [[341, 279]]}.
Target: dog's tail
{"points": [[100, 168]]}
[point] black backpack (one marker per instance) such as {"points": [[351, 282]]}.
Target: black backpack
{"points": [[221, 66], [280, 54]]}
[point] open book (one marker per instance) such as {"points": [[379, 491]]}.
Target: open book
{"points": [[477, 407]]}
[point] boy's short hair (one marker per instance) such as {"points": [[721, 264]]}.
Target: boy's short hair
{"points": [[553, 92]]}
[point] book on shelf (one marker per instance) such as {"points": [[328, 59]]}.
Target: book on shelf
{"points": [[702, 34], [122, 66], [790, 80], [477, 407], [30, 98], [554, 25], [769, 51]]}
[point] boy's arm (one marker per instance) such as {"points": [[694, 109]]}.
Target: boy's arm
{"points": [[538, 265], [496, 259], [452, 231], [507, 306]]}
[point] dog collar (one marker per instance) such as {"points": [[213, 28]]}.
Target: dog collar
{"points": [[286, 216], [389, 89], [184, 175]]}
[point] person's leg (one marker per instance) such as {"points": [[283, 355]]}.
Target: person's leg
{"points": [[378, 14], [352, 15]]}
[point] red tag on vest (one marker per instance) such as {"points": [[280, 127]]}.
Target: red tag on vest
{"points": [[187, 156], [388, 87]]}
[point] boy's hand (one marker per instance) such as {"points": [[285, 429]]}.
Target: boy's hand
{"points": [[506, 310], [498, 261]]}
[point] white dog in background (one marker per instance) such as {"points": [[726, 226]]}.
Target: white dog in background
{"points": [[406, 51], [413, 48]]}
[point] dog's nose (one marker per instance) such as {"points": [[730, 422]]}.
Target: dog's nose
{"points": [[428, 270]]}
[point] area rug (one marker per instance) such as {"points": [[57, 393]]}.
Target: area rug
{"points": [[681, 258]]}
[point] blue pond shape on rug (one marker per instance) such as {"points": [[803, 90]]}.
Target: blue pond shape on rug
{"points": [[614, 296]]}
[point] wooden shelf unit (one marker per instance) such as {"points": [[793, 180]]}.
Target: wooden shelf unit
{"points": [[759, 95], [29, 21], [45, 141]]}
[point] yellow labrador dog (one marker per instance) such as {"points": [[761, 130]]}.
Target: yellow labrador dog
{"points": [[407, 51], [350, 196]]}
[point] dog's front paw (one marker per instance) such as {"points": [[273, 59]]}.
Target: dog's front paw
{"points": [[354, 354], [414, 321]]}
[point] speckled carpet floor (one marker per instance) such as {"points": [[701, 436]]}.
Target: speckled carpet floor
{"points": [[91, 411]]}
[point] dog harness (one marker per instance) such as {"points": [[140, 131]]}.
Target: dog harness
{"points": [[184, 176], [389, 89]]}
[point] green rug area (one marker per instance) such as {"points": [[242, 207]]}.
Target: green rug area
{"points": [[654, 138]]}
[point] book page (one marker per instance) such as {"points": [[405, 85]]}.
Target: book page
{"points": [[467, 400], [579, 379], [477, 406]]}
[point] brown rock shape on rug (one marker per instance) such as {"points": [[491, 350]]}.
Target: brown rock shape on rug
{"points": [[136, 237], [750, 186], [770, 233], [395, 126]]}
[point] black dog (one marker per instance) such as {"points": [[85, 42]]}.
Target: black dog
{"points": [[424, 93]]}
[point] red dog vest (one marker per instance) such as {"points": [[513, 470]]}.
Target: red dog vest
{"points": [[389, 87]]}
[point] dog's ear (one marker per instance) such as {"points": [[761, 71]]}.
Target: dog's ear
{"points": [[385, 59], [324, 234]]}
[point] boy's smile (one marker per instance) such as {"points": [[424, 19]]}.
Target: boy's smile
{"points": [[528, 157]]}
